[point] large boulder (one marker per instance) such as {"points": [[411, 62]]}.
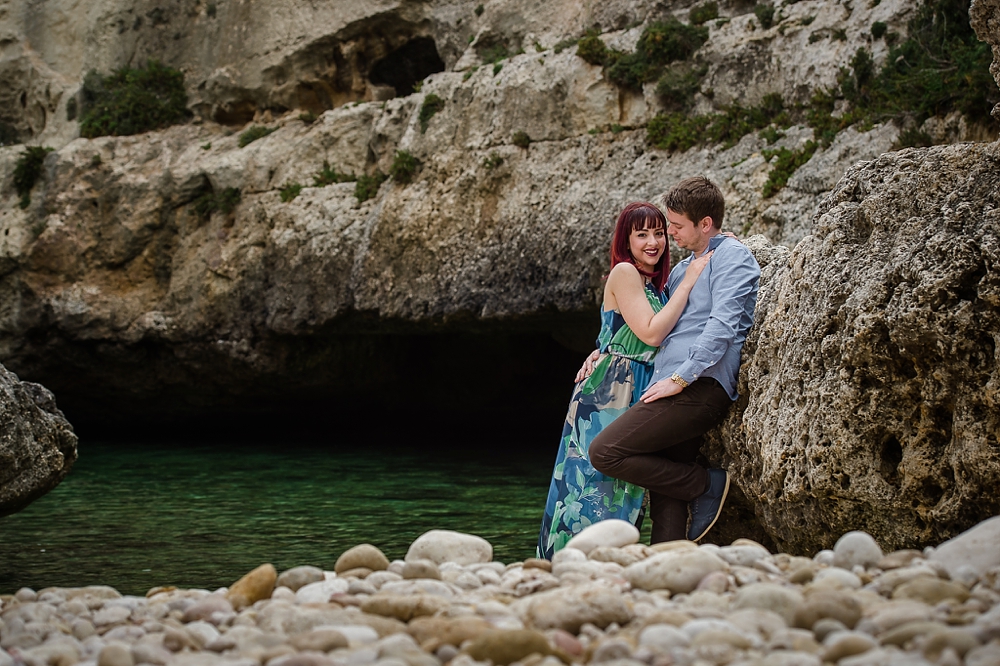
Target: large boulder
{"points": [[37, 443], [873, 381]]}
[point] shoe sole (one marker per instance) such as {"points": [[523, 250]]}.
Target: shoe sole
{"points": [[722, 503]]}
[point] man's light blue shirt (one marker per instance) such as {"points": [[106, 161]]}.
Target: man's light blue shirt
{"points": [[708, 337]]}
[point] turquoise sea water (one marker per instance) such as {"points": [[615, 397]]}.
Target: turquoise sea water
{"points": [[135, 516]]}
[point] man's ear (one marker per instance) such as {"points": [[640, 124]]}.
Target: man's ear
{"points": [[705, 223]]}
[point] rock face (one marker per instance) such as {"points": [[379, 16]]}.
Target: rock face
{"points": [[37, 444], [874, 370]]}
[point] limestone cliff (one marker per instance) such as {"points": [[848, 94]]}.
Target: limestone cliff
{"points": [[126, 296]]}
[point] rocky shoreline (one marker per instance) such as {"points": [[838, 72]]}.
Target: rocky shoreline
{"points": [[605, 598]]}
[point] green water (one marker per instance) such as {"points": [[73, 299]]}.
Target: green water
{"points": [[141, 515]]}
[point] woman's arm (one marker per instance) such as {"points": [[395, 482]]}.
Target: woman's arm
{"points": [[626, 287]]}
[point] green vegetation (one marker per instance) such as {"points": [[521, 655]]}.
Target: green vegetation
{"points": [[913, 138], [71, 109], [521, 139], [328, 175], [478, 10], [878, 29], [679, 83], [222, 202], [807, 20], [706, 11], [307, 117], [941, 67], [496, 68], [660, 44], [564, 44], [787, 162], [468, 74], [679, 131], [494, 53], [840, 34], [28, 170], [404, 165], [493, 161], [210, 10], [255, 132], [765, 15], [617, 129], [290, 191], [771, 134], [132, 101], [432, 104], [95, 160], [417, 87], [367, 186]]}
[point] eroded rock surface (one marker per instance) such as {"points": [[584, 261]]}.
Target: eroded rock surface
{"points": [[873, 378], [37, 444]]}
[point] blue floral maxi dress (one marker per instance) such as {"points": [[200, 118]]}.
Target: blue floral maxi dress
{"points": [[579, 495]]}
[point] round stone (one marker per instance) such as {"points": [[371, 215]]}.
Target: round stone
{"points": [[115, 654], [842, 644], [613, 532], [422, 569], [319, 640], [504, 647], [297, 577], [856, 548], [205, 608], [675, 570], [441, 546], [364, 556], [785, 601], [931, 590], [662, 638], [254, 586]]}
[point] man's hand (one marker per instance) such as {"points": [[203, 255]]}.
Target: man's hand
{"points": [[588, 366], [661, 389]]}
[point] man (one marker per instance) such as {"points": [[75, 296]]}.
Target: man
{"points": [[654, 444]]}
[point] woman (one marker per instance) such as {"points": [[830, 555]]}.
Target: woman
{"points": [[635, 318]]}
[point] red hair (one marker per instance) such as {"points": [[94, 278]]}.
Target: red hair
{"points": [[640, 215]]}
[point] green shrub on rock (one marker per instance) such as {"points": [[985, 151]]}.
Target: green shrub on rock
{"points": [[290, 191], [787, 163], [328, 175], [255, 132], [764, 14], [432, 104], [28, 170], [222, 202], [592, 49], [706, 11], [521, 139], [367, 186], [132, 101], [404, 165]]}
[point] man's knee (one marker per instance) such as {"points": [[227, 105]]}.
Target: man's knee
{"points": [[602, 455]]}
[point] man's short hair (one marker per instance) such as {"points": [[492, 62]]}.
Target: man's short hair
{"points": [[696, 198]]}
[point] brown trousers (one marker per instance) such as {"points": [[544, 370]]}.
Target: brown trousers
{"points": [[654, 445]]}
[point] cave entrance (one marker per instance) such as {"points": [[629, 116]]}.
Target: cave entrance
{"points": [[410, 63]]}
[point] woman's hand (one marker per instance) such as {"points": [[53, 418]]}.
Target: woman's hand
{"points": [[695, 269], [588, 366]]}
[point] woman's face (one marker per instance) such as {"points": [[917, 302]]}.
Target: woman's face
{"points": [[647, 246]]}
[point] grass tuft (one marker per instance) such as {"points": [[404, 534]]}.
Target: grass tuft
{"points": [[432, 104], [255, 132], [404, 165], [706, 11], [782, 168], [367, 186], [222, 202], [328, 175], [521, 139], [290, 191]]}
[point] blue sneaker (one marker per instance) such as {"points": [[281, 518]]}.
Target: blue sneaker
{"points": [[706, 508]]}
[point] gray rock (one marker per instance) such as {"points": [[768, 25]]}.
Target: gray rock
{"points": [[976, 548], [37, 443], [612, 533], [896, 284]]}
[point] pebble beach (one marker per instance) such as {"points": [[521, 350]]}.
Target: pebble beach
{"points": [[603, 599]]}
